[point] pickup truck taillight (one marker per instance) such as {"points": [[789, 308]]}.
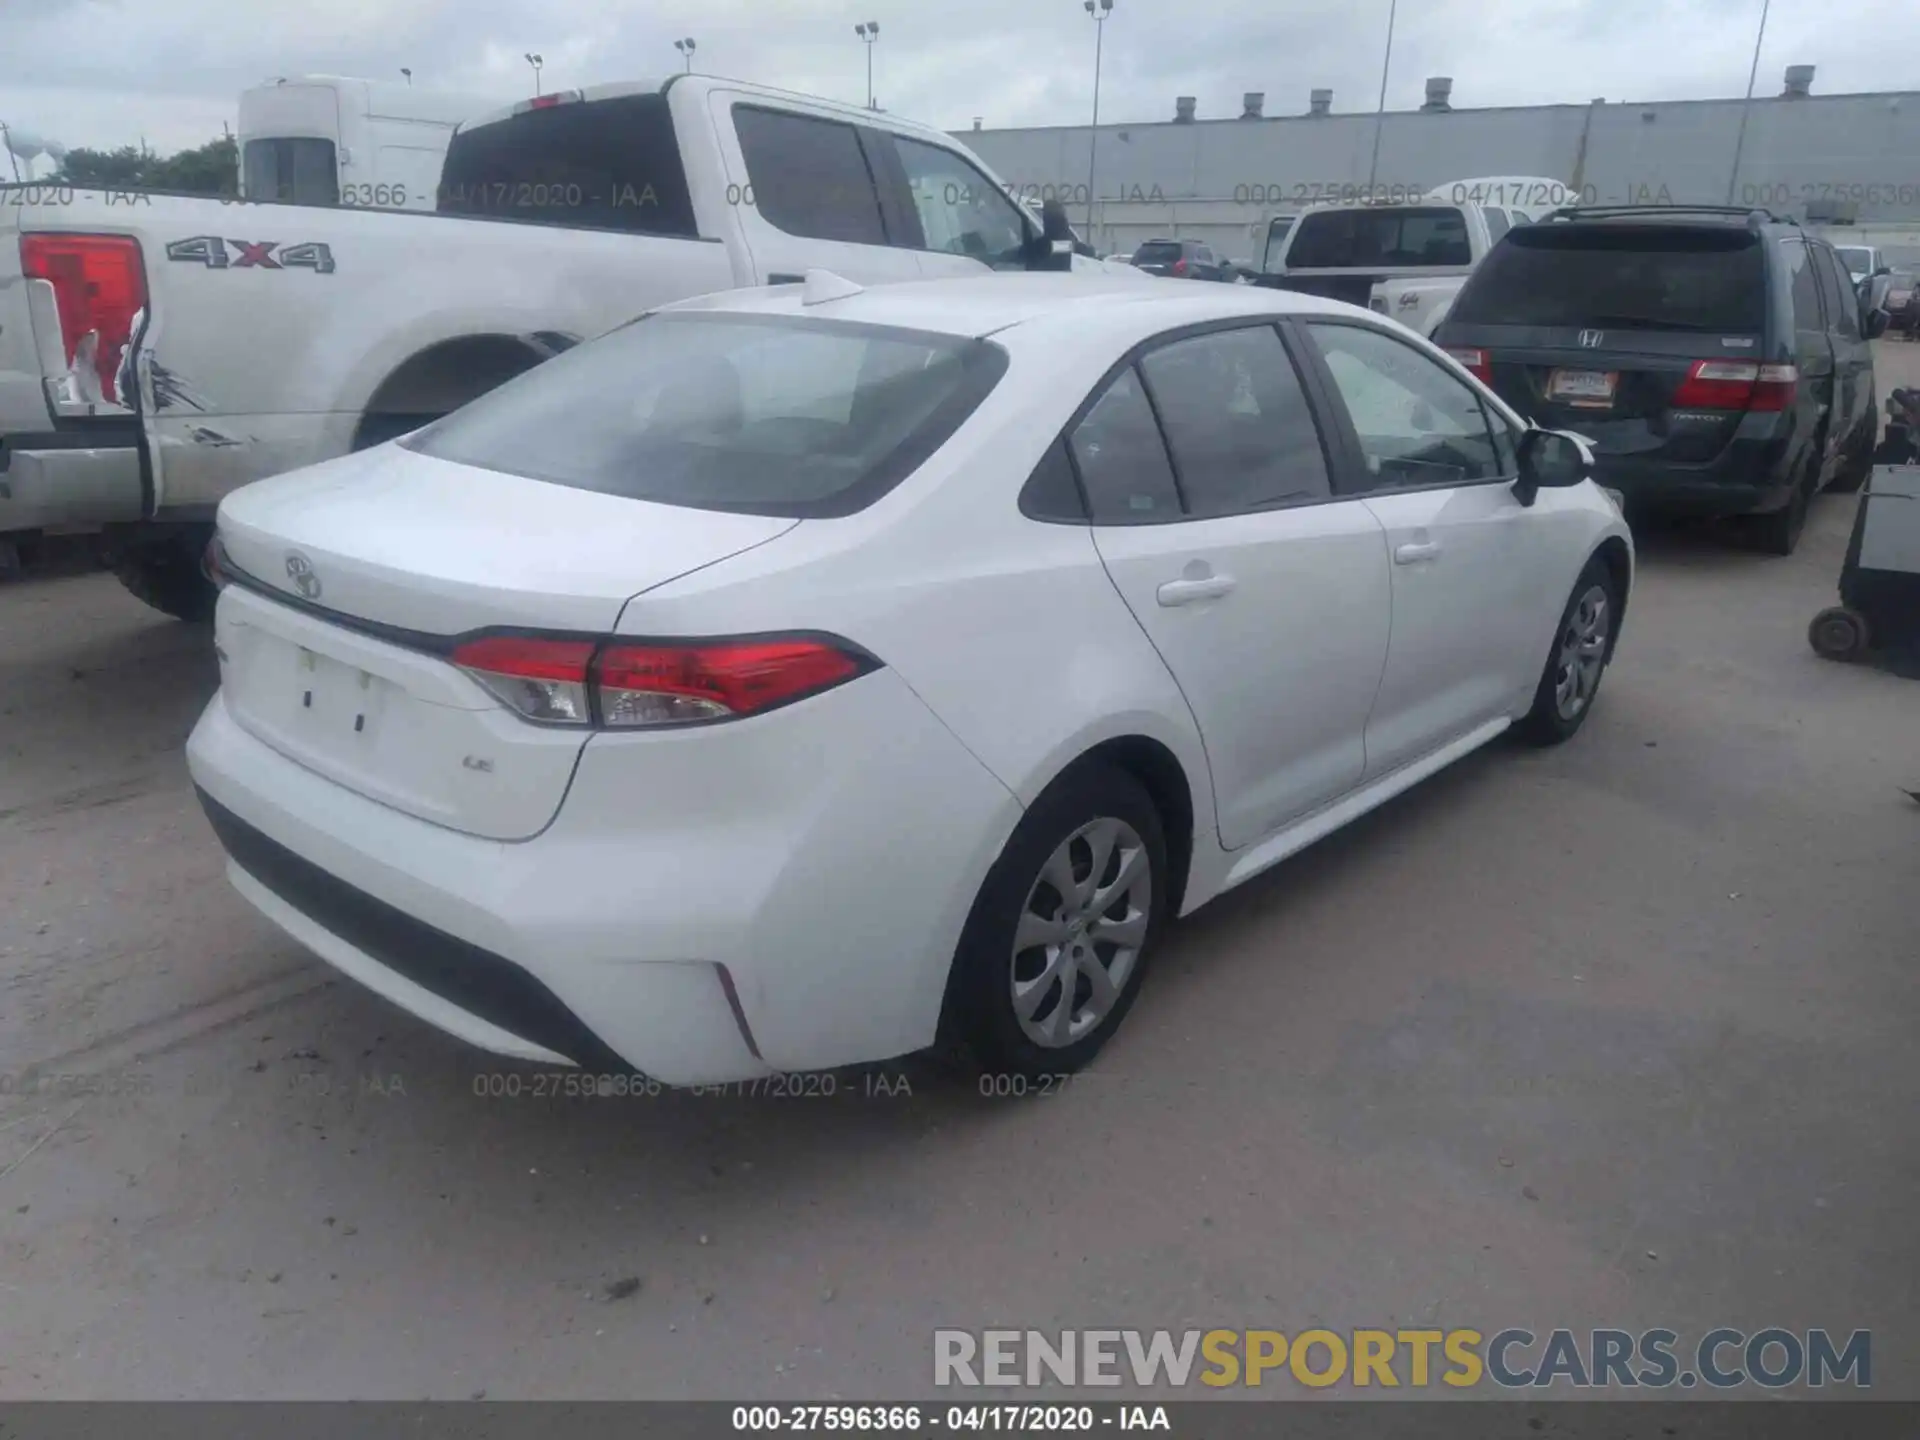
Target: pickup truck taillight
{"points": [[1736, 385], [99, 286]]}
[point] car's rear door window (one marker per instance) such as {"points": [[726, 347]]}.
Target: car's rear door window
{"points": [[767, 415], [1157, 252], [1631, 275], [1843, 302], [1237, 422], [810, 176], [1122, 458]]}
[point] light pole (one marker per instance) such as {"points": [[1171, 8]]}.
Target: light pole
{"points": [[1380, 113], [685, 47], [409, 74], [536, 62], [1740, 140], [869, 33], [1099, 10]]}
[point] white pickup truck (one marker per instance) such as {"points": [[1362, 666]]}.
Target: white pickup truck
{"points": [[158, 351], [1408, 260]]}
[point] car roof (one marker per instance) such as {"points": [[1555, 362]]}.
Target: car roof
{"points": [[975, 306]]}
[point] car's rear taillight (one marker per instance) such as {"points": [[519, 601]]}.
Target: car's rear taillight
{"points": [[99, 286], [1736, 385], [624, 685], [540, 678], [1477, 362]]}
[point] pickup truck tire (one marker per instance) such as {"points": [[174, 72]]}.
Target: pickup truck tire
{"points": [[165, 573]]}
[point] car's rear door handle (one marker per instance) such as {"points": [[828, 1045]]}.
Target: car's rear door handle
{"points": [[1186, 592], [1414, 552]]}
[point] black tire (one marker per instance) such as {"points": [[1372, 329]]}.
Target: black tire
{"points": [[1550, 722], [980, 1019], [381, 426], [1838, 633], [166, 574], [1779, 532], [1858, 464]]}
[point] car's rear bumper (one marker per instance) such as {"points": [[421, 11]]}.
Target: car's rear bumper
{"points": [[701, 914], [1749, 477], [69, 478]]}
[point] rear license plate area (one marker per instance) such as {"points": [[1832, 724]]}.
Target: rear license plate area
{"points": [[1589, 389]]}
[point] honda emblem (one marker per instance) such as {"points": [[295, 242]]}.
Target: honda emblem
{"points": [[1590, 339]]}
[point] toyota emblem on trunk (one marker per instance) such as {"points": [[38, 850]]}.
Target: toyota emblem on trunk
{"points": [[1591, 338], [300, 571]]}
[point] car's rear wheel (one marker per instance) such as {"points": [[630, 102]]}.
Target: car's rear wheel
{"points": [[1055, 948], [1858, 463], [1778, 533], [1582, 648]]}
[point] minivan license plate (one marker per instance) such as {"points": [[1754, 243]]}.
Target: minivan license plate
{"points": [[1583, 387]]}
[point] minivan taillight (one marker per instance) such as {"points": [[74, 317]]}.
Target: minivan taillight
{"points": [[618, 684], [1736, 385], [99, 286], [1476, 361]]}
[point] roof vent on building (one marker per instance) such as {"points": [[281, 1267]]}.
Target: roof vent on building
{"points": [[1799, 82], [1183, 109], [1251, 104], [1439, 88], [1320, 102], [976, 122]]}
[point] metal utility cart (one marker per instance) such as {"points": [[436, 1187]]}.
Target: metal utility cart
{"points": [[1879, 607]]}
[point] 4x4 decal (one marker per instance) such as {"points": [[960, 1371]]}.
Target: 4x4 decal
{"points": [[211, 251]]}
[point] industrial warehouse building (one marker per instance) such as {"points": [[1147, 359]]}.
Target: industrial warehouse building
{"points": [[1845, 160]]}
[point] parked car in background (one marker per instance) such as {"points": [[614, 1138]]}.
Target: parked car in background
{"points": [[1868, 268], [155, 356], [1717, 358], [334, 140], [1424, 249], [1420, 302], [1903, 303], [600, 721], [1180, 260]]}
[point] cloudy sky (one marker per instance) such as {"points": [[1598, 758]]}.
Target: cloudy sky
{"points": [[108, 72]]}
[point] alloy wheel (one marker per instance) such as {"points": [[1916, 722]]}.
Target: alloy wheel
{"points": [[1078, 939], [1583, 652]]}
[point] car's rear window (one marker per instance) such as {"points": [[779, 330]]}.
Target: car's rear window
{"points": [[1157, 252], [603, 164], [766, 415], [1361, 239], [1630, 275]]}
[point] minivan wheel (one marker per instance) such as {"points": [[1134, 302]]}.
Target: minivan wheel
{"points": [[1059, 936], [1858, 463], [1779, 533], [1582, 648]]}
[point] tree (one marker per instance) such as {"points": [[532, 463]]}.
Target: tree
{"points": [[210, 169]]}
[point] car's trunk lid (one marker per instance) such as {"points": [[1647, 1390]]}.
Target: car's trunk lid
{"points": [[353, 578]]}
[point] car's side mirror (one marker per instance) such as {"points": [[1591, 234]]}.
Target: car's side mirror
{"points": [[1877, 322], [1053, 249], [1551, 460]]}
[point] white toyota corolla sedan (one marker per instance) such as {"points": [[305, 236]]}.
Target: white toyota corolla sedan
{"points": [[796, 677]]}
